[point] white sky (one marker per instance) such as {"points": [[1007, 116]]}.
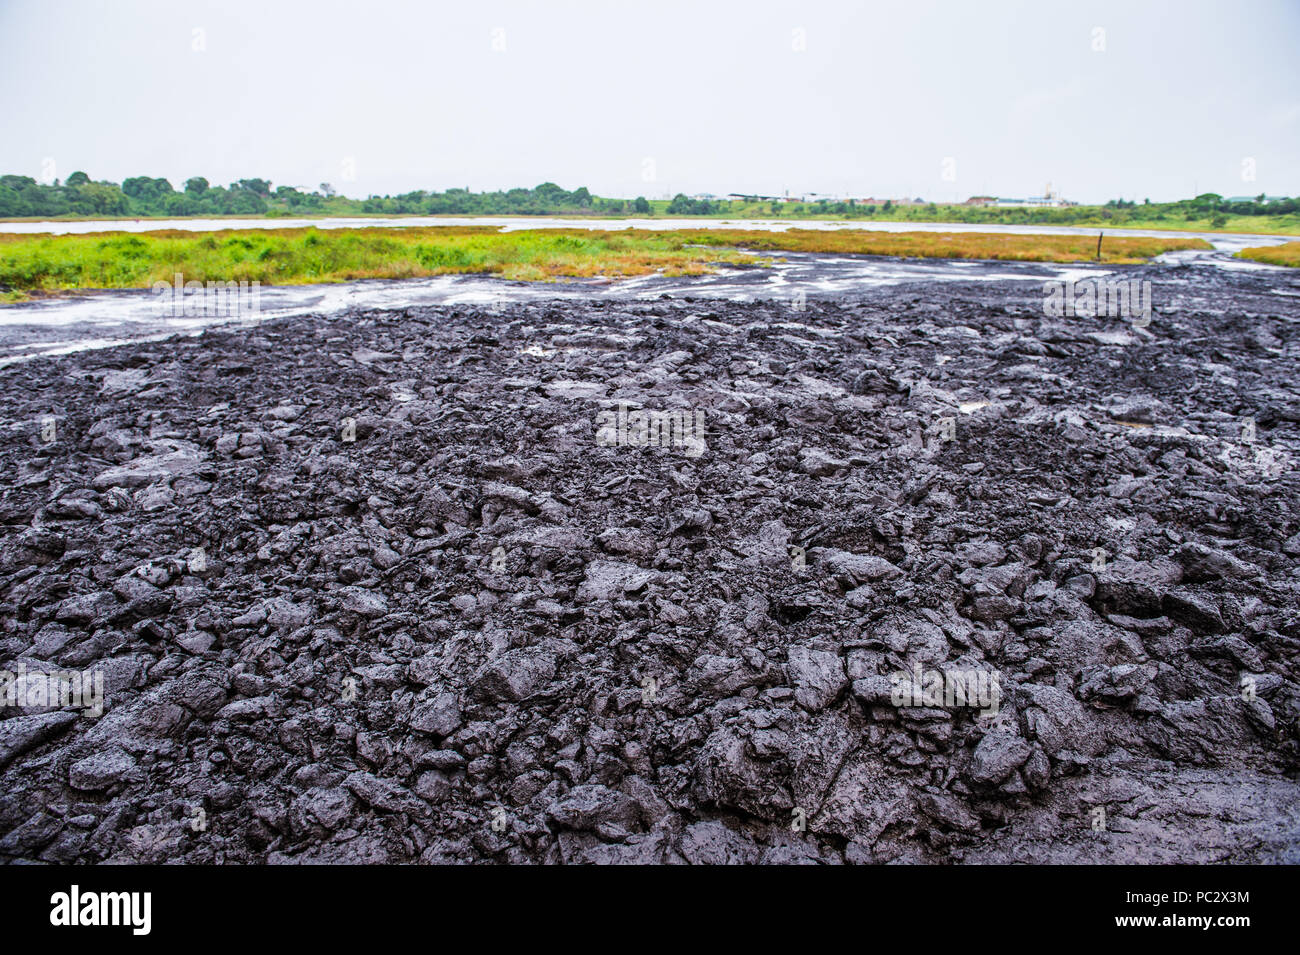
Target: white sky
{"points": [[715, 95]]}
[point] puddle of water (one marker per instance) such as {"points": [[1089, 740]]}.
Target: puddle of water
{"points": [[1232, 242]]}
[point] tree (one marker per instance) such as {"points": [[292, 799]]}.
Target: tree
{"points": [[258, 187], [327, 190], [179, 204], [641, 206], [196, 186], [78, 178], [11, 203], [104, 198], [246, 202], [146, 189], [550, 192], [681, 205]]}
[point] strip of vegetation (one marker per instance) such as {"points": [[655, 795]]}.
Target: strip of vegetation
{"points": [[109, 260], [1115, 250], [39, 264], [1288, 253], [145, 197], [1206, 213]]}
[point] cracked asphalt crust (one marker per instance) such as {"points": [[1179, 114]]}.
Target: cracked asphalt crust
{"points": [[472, 634]]}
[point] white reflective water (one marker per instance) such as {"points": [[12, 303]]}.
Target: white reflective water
{"points": [[1221, 241]]}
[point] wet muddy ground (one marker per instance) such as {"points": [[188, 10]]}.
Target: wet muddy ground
{"points": [[77, 321], [366, 586]]}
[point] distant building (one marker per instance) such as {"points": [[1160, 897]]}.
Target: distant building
{"points": [[813, 197], [1264, 200], [1031, 202], [1048, 199], [873, 201], [981, 200], [750, 197]]}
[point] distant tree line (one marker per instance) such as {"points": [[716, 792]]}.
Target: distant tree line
{"points": [[546, 199], [144, 196], [139, 196], [683, 205], [1115, 212]]}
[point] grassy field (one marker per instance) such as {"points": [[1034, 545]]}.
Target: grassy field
{"points": [[32, 265], [1115, 250], [1288, 253], [1082, 216], [36, 264]]}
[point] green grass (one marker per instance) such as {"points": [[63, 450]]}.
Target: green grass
{"points": [[48, 264], [1089, 217], [33, 265], [1115, 250], [1288, 253]]}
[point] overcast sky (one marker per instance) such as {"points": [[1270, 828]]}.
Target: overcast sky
{"points": [[938, 100]]}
